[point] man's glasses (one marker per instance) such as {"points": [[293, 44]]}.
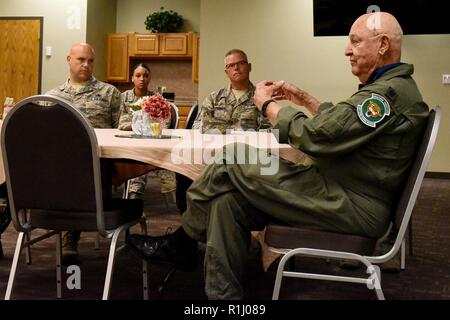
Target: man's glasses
{"points": [[238, 64]]}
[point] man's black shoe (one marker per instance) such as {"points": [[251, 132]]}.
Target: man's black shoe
{"points": [[159, 249]]}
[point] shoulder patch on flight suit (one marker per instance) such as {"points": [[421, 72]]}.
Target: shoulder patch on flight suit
{"points": [[372, 110]]}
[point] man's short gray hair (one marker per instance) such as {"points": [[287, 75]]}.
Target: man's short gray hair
{"points": [[233, 51]]}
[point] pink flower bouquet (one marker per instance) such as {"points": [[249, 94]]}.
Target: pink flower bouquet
{"points": [[149, 111]]}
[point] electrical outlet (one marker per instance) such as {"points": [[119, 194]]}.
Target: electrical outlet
{"points": [[446, 79]]}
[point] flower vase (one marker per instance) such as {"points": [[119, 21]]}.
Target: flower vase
{"points": [[140, 123], [156, 127]]}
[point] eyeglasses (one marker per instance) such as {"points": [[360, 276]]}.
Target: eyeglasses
{"points": [[239, 64]]}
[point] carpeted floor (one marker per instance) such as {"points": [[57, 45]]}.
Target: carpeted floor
{"points": [[427, 274]]}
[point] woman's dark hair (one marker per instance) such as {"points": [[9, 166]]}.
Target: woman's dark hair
{"points": [[143, 65]]}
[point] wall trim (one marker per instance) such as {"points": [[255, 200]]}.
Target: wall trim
{"points": [[437, 175]]}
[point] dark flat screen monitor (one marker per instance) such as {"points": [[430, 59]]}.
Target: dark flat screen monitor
{"points": [[335, 17]]}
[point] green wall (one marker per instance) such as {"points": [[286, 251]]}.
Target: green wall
{"points": [[131, 14], [277, 35], [101, 20]]}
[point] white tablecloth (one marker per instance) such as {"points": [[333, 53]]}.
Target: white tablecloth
{"points": [[185, 153]]}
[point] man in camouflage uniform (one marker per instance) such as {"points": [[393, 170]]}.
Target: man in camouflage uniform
{"points": [[361, 151], [233, 107], [98, 101], [228, 108]]}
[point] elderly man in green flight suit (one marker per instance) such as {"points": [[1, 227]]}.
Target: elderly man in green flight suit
{"points": [[361, 150]]}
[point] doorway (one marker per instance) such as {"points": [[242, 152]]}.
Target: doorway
{"points": [[20, 57]]}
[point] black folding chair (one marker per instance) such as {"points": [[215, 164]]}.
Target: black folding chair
{"points": [[293, 241], [53, 178]]}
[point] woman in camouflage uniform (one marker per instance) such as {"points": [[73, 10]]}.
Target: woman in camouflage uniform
{"points": [[141, 79]]}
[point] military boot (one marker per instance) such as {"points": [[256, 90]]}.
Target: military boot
{"points": [[70, 248]]}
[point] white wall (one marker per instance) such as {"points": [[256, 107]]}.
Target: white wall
{"points": [[64, 24], [278, 38]]}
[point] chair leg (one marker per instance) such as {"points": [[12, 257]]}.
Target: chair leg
{"points": [[278, 278], [126, 189], [163, 284], [143, 223], [110, 267], [58, 265], [378, 290], [410, 236], [28, 248], [145, 279], [403, 255], [27, 238], [97, 242], [1, 249], [12, 273]]}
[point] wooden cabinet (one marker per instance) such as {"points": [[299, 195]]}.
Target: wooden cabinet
{"points": [[144, 44], [174, 44], [158, 46], [195, 57], [117, 68]]}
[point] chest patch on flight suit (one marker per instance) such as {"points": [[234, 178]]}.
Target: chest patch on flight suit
{"points": [[373, 110]]}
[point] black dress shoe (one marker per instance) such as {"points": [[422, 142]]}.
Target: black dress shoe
{"points": [[160, 249]]}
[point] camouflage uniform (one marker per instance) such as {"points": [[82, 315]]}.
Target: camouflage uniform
{"points": [[222, 111], [351, 186], [127, 98], [137, 185], [197, 125], [98, 101]]}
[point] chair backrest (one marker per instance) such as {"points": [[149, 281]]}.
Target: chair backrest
{"points": [[416, 175], [51, 158], [191, 117], [174, 116]]}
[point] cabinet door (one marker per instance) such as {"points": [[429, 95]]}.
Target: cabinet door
{"points": [[144, 44], [117, 58], [174, 44], [195, 57]]}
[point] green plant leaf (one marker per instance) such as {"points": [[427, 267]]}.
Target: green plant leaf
{"points": [[164, 21]]}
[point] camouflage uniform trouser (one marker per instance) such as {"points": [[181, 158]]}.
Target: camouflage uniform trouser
{"points": [[167, 178]]}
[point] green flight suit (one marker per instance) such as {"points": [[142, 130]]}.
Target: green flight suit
{"points": [[351, 186]]}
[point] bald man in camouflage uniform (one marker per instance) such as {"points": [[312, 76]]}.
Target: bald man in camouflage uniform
{"points": [[233, 107], [98, 101]]}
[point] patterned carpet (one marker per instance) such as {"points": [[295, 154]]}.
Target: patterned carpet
{"points": [[427, 274]]}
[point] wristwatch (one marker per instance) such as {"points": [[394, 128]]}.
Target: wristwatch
{"points": [[265, 105]]}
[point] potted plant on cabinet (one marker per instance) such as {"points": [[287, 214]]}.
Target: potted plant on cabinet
{"points": [[164, 21]]}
